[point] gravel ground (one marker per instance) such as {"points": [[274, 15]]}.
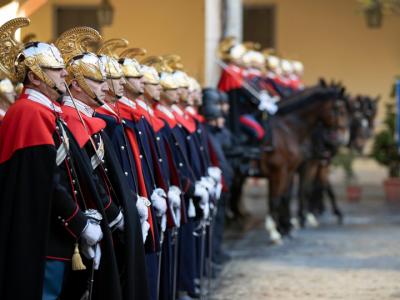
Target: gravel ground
{"points": [[359, 260]]}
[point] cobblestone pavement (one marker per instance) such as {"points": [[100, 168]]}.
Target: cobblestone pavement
{"points": [[357, 261]]}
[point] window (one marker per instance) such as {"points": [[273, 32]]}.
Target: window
{"points": [[259, 25], [67, 17]]}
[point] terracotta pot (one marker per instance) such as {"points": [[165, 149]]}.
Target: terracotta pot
{"points": [[392, 189], [353, 193]]}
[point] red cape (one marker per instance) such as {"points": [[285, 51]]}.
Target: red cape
{"points": [[171, 122], [231, 78], [93, 125], [153, 120], [26, 124]]}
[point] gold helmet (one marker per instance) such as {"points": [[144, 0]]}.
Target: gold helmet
{"points": [[174, 61], [81, 64], [194, 85], [17, 59], [298, 67], [150, 74], [167, 80], [109, 57], [182, 79], [230, 50], [130, 66], [286, 66], [254, 59]]}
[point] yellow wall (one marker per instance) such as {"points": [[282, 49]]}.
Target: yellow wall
{"points": [[160, 26], [333, 41]]}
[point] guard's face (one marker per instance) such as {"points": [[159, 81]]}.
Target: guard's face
{"points": [[153, 90], [137, 84], [171, 95], [116, 87], [58, 77], [99, 88], [183, 93]]}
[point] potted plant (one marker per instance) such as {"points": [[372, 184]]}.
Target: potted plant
{"points": [[345, 159], [386, 152]]}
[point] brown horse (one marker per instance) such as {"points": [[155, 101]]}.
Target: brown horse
{"points": [[363, 110], [292, 127]]}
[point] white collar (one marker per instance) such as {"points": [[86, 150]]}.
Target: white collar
{"points": [[165, 110], [108, 108], [2, 112], [177, 109], [82, 107], [145, 106], [127, 102], [42, 99], [190, 110]]}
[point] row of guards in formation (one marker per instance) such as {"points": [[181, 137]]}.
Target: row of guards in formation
{"points": [[112, 184]]}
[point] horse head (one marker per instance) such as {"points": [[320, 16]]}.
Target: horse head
{"points": [[363, 113], [334, 113]]}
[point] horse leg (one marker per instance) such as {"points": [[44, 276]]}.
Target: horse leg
{"points": [[307, 173], [285, 222], [236, 196], [331, 194], [277, 187], [332, 197]]}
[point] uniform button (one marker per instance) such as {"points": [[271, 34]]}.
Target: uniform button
{"points": [[122, 147], [158, 138], [181, 164], [106, 169], [141, 156], [66, 224], [142, 117], [188, 137], [140, 132], [123, 122], [76, 192], [73, 181], [59, 217], [95, 136], [57, 127], [160, 159], [102, 161], [62, 220], [126, 173], [198, 130], [176, 144]]}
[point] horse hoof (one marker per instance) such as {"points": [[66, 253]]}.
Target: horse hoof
{"points": [[311, 221], [275, 238], [295, 223]]}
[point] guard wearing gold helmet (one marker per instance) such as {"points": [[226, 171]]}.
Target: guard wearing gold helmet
{"points": [[39, 177], [91, 79]]}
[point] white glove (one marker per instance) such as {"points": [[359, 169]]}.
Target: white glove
{"points": [[201, 191], [92, 252], [142, 208], [268, 103], [191, 209], [92, 233], [118, 222], [215, 173], [158, 198], [205, 207], [145, 230], [174, 197], [218, 191], [209, 184]]}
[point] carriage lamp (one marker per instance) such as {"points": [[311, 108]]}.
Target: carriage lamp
{"points": [[374, 10], [105, 13]]}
